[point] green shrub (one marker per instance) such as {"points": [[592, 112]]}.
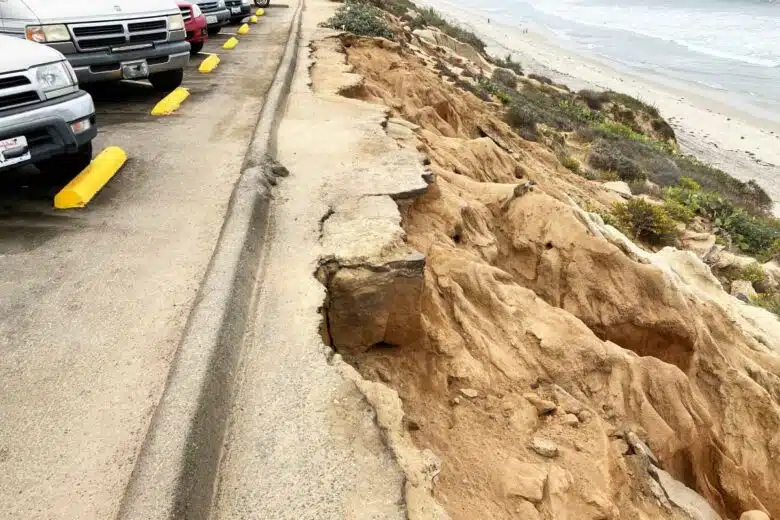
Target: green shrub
{"points": [[678, 211], [399, 8], [579, 113], [689, 184], [572, 164], [507, 63], [664, 129], [360, 18], [594, 100], [607, 158], [644, 221], [752, 273], [541, 79], [754, 235], [523, 119], [500, 91], [505, 77], [632, 102], [431, 17], [768, 301]]}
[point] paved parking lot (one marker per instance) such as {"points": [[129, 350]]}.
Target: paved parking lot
{"points": [[94, 301]]}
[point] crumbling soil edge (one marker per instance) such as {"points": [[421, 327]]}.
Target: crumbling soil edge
{"points": [[176, 470]]}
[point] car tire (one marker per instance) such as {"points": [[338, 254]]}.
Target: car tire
{"points": [[196, 47], [167, 80], [262, 3], [213, 31], [66, 166]]}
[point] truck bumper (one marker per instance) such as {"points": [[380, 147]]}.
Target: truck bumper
{"points": [[222, 17], [107, 66], [47, 127], [234, 17]]}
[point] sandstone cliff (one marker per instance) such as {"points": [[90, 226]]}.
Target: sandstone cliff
{"points": [[555, 369]]}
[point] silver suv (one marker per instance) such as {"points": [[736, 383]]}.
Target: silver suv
{"points": [[44, 118], [121, 39], [216, 12]]}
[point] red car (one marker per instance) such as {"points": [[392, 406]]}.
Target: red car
{"points": [[195, 25]]}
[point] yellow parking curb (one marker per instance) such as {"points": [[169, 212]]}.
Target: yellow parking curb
{"points": [[253, 18], [209, 64], [260, 12], [170, 103], [78, 192], [244, 29], [231, 43]]}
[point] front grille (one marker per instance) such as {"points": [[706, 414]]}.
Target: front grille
{"points": [[147, 26], [186, 13], [102, 42], [14, 81], [99, 36], [209, 7], [18, 99], [233, 3], [148, 37], [98, 30]]}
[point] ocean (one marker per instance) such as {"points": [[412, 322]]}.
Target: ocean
{"points": [[729, 48]]}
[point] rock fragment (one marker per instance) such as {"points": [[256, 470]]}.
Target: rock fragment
{"points": [[544, 447], [469, 392], [524, 480], [543, 406]]}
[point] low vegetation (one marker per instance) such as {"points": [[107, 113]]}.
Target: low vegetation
{"points": [[505, 77], [430, 17], [605, 157], [360, 18], [645, 221], [754, 235]]}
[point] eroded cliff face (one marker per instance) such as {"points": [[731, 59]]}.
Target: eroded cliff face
{"points": [[555, 369]]}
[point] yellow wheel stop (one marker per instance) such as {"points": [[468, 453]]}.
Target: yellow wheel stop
{"points": [[79, 191]]}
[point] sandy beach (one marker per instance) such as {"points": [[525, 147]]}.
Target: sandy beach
{"points": [[746, 146]]}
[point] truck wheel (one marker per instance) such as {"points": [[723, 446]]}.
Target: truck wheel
{"points": [[262, 3], [213, 31], [196, 47], [167, 80], [65, 167]]}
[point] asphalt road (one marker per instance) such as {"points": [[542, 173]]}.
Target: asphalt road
{"points": [[94, 301]]}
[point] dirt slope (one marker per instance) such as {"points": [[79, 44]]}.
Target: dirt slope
{"points": [[545, 359]]}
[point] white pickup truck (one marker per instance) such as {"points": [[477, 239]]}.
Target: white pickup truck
{"points": [[44, 118], [106, 39]]}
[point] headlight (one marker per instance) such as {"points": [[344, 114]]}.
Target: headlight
{"points": [[196, 12], [54, 76], [175, 23], [47, 33], [244, 2]]}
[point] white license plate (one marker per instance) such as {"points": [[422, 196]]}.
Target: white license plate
{"points": [[135, 70], [211, 19], [13, 151], [235, 10]]}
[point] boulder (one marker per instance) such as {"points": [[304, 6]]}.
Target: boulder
{"points": [[743, 290], [524, 480], [684, 497], [772, 270], [754, 515], [619, 187], [698, 243]]}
